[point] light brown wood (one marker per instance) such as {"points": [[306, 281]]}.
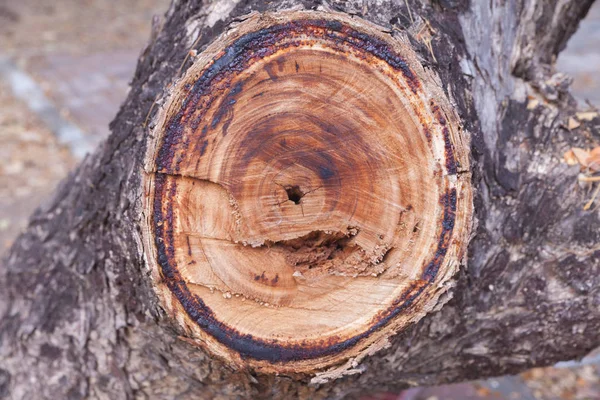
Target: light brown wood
{"points": [[307, 194]]}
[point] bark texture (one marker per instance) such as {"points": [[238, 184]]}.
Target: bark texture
{"points": [[79, 320]]}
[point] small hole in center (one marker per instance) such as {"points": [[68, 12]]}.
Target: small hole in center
{"points": [[294, 193]]}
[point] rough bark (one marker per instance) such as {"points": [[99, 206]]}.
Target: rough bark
{"points": [[78, 316]]}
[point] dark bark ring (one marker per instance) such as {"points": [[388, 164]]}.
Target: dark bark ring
{"points": [[307, 192]]}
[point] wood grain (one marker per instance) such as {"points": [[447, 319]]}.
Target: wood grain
{"points": [[307, 192]]}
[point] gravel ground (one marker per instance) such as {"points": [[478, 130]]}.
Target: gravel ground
{"points": [[31, 164], [581, 59]]}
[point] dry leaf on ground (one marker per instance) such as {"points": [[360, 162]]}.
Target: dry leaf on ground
{"points": [[586, 115], [587, 159]]}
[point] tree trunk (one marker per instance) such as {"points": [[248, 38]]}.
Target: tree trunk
{"points": [[96, 301]]}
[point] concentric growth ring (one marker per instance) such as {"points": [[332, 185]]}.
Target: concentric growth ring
{"points": [[308, 192]]}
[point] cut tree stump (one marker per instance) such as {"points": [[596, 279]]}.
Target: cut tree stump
{"points": [[304, 195], [303, 199]]}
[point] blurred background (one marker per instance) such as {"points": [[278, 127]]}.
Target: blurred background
{"points": [[64, 70]]}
